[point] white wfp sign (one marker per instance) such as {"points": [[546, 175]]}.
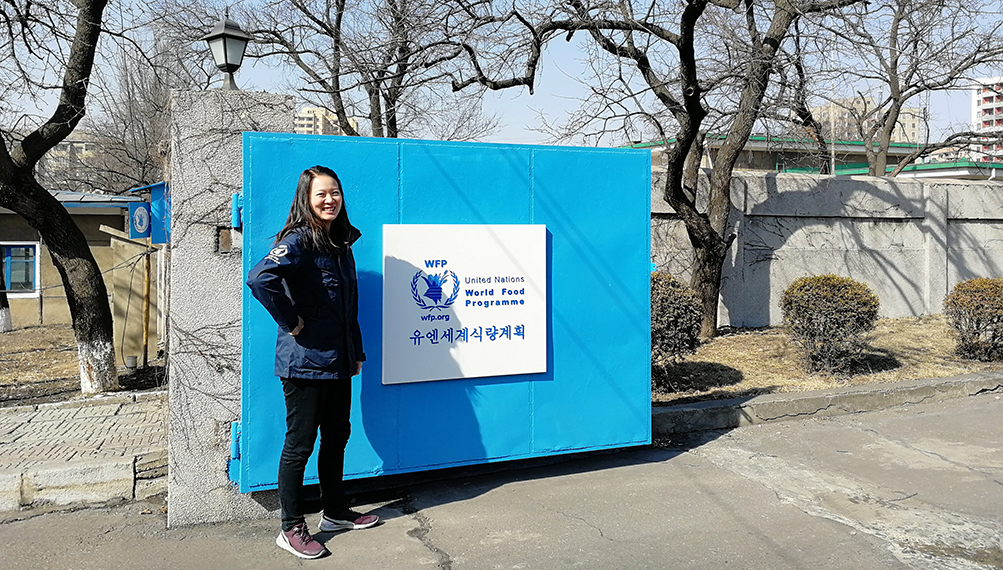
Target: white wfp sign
{"points": [[463, 301]]}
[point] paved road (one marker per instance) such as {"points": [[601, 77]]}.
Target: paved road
{"points": [[914, 487]]}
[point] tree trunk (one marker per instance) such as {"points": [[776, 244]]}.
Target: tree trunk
{"points": [[20, 191], [706, 282], [5, 322], [710, 247], [884, 139], [86, 293]]}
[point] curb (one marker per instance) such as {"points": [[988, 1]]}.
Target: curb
{"points": [[729, 414], [98, 400]]}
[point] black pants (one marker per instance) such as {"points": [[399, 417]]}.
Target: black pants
{"points": [[313, 404]]}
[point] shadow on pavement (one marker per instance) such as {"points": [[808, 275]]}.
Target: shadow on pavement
{"points": [[396, 493]]}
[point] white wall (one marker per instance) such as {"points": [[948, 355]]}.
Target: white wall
{"points": [[910, 241]]}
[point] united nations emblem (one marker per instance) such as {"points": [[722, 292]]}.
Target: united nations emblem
{"points": [[141, 220], [435, 291]]}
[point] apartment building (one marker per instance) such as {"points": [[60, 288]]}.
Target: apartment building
{"points": [[987, 115], [841, 117], [316, 121]]}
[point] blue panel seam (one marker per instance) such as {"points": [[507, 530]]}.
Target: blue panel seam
{"points": [[400, 183], [532, 186]]}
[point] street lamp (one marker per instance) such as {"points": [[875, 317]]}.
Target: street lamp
{"points": [[227, 42]]}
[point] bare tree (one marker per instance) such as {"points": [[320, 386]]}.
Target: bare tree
{"points": [[126, 128], [662, 76], [380, 66], [889, 53], [787, 112], [49, 49]]}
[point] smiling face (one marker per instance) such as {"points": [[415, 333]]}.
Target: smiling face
{"points": [[325, 199]]}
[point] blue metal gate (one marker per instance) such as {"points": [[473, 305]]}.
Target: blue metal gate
{"points": [[596, 392]]}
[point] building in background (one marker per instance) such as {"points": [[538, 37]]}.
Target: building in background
{"points": [[987, 115], [316, 121], [840, 121], [784, 154], [35, 288], [67, 166]]}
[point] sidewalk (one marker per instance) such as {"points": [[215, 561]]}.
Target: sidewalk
{"points": [[86, 451], [114, 448], [912, 487]]}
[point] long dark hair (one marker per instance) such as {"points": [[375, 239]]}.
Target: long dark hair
{"points": [[301, 217]]}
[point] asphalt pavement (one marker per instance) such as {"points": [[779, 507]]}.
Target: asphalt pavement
{"points": [[915, 486]]}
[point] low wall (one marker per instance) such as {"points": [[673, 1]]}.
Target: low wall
{"points": [[911, 241]]}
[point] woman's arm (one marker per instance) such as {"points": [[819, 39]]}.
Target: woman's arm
{"points": [[265, 281], [354, 329]]}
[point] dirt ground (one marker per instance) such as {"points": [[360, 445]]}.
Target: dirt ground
{"points": [[39, 364], [762, 361]]}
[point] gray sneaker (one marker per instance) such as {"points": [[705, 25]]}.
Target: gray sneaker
{"points": [[347, 520], [299, 542]]}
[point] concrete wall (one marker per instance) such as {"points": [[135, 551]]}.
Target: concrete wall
{"points": [[910, 241], [204, 299]]}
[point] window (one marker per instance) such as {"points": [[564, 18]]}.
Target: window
{"points": [[20, 271]]}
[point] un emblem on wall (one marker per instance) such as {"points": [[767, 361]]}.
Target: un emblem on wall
{"points": [[436, 290]]}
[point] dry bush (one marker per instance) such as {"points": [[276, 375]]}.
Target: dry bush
{"points": [[975, 310], [826, 317], [675, 319]]}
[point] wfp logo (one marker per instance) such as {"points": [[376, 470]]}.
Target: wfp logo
{"points": [[435, 290]]}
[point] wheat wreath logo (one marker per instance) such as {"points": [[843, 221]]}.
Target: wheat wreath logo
{"points": [[429, 291]]}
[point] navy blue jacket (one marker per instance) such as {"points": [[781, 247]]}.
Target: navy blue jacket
{"points": [[295, 281]]}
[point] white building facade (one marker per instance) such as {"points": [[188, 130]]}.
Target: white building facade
{"points": [[987, 115], [316, 121]]}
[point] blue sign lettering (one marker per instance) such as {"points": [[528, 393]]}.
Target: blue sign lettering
{"points": [[449, 335]]}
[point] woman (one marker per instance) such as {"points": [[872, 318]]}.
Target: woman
{"points": [[307, 283]]}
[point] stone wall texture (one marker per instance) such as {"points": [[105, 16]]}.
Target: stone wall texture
{"points": [[205, 298]]}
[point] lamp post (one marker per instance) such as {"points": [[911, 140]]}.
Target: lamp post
{"points": [[227, 43]]}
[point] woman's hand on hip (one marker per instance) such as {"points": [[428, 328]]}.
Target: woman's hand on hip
{"points": [[299, 327]]}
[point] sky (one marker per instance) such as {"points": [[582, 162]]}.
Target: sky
{"points": [[557, 93]]}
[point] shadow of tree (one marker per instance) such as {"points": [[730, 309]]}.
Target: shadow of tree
{"points": [[693, 376], [149, 378], [874, 360]]}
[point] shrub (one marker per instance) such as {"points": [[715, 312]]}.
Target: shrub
{"points": [[974, 308], [676, 313], [826, 317]]}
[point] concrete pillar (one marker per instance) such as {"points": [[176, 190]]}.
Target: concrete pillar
{"points": [[937, 246], [205, 298]]}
